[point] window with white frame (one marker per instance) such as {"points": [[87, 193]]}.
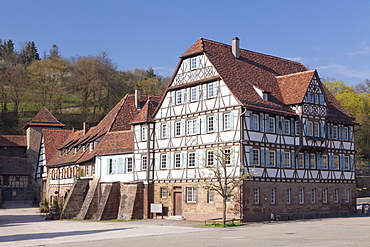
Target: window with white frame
{"points": [[301, 195], [211, 90], [164, 130], [163, 161], [191, 195], [273, 196], [336, 162], [345, 133], [210, 158], [287, 159], [143, 133], [210, 196], [313, 195], [335, 132], [255, 122], [325, 162], [210, 124], [272, 158], [192, 127], [179, 97], [310, 128], [144, 163], [193, 94], [300, 160], [297, 127], [288, 196], [272, 125], [178, 160], [227, 158], [346, 162], [347, 195], [164, 192], [316, 129], [313, 161], [256, 195], [227, 121], [194, 63], [191, 159], [129, 164], [336, 195], [177, 128], [325, 196], [256, 157], [286, 127]]}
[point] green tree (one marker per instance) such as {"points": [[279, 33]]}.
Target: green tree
{"points": [[49, 77], [29, 53]]}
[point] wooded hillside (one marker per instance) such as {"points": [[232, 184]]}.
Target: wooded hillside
{"points": [[75, 89]]}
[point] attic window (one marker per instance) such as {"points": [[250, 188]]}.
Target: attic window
{"points": [[265, 96], [194, 62]]}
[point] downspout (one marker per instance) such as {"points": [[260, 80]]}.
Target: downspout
{"points": [[241, 161]]}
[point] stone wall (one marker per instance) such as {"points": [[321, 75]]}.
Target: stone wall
{"points": [[263, 210], [132, 201], [75, 198], [201, 209]]}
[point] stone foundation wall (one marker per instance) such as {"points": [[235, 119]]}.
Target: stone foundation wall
{"points": [[201, 209], [263, 210]]}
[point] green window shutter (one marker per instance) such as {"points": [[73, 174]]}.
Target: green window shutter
{"points": [[267, 157], [278, 159], [307, 160], [267, 123], [262, 157], [232, 120], [251, 156], [292, 157], [277, 122], [282, 158], [251, 121], [318, 161], [261, 122]]}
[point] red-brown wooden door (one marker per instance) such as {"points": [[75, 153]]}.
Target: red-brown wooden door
{"points": [[178, 203]]}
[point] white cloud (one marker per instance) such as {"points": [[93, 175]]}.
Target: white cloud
{"points": [[296, 59], [364, 49], [350, 72]]}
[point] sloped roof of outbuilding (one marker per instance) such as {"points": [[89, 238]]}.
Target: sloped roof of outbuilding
{"points": [[44, 118], [13, 141]]}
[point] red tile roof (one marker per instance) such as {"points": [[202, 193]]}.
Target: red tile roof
{"points": [[293, 87], [13, 166], [268, 73], [52, 140], [117, 120], [116, 142], [13, 141], [44, 118]]}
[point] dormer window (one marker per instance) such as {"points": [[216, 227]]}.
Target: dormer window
{"points": [[265, 96]]}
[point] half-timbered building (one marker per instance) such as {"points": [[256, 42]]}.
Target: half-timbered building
{"points": [[274, 115]]}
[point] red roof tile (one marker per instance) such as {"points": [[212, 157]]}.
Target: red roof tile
{"points": [[13, 166], [52, 140], [293, 87], [116, 142], [44, 118], [13, 140], [264, 72]]}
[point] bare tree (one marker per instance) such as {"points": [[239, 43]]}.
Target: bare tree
{"points": [[221, 176]]}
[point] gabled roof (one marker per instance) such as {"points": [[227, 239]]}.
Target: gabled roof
{"points": [[118, 120], [146, 113], [116, 142], [52, 140], [293, 87], [44, 118], [268, 73], [13, 166], [13, 141]]}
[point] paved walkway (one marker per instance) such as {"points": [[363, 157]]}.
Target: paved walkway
{"points": [[21, 225]]}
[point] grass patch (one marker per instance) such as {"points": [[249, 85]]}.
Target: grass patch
{"points": [[226, 225]]}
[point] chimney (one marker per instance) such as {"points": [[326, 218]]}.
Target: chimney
{"points": [[85, 128], [137, 98], [235, 47]]}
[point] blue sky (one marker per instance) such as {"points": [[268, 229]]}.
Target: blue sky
{"points": [[330, 36]]}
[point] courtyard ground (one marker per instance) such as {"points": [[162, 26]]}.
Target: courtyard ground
{"points": [[22, 225]]}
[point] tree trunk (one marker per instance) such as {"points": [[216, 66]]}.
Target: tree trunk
{"points": [[224, 210]]}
